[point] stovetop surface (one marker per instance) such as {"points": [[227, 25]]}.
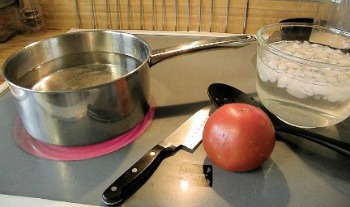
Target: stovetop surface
{"points": [[298, 173]]}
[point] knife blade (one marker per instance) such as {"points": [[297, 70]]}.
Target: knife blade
{"points": [[188, 135]]}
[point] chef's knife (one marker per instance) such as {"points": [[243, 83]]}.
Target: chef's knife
{"points": [[188, 135]]}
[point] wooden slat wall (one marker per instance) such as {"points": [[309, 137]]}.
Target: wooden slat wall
{"points": [[174, 15]]}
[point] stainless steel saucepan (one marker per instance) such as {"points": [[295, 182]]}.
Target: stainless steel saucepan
{"points": [[86, 87]]}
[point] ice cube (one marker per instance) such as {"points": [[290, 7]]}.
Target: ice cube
{"points": [[282, 82], [295, 89]]}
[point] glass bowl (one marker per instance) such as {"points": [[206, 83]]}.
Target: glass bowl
{"points": [[304, 73]]}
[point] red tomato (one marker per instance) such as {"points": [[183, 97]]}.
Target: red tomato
{"points": [[238, 137]]}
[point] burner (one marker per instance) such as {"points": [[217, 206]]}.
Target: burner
{"points": [[54, 152]]}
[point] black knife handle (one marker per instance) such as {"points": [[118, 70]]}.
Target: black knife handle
{"points": [[135, 176]]}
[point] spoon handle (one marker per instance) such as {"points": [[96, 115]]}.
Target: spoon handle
{"points": [[336, 145]]}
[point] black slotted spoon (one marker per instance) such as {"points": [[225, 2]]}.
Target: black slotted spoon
{"points": [[221, 94]]}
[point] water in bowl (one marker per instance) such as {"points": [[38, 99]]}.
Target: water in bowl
{"points": [[300, 94]]}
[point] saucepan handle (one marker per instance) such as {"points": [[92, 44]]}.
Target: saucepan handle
{"points": [[230, 41]]}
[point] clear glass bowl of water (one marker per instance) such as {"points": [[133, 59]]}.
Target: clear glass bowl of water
{"points": [[304, 73]]}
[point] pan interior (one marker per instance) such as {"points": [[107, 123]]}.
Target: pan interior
{"points": [[79, 71]]}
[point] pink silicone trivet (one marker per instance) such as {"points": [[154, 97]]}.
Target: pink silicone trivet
{"points": [[54, 152]]}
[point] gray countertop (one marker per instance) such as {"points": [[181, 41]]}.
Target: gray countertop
{"points": [[298, 173]]}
